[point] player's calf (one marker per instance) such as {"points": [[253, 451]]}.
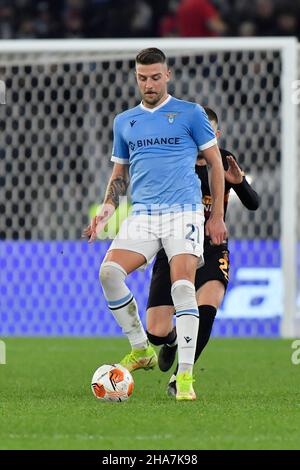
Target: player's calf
{"points": [[187, 321], [122, 303], [168, 350]]}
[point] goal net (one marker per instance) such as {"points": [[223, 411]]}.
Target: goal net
{"points": [[56, 135]]}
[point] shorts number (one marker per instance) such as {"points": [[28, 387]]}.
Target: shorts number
{"points": [[194, 228], [224, 264]]}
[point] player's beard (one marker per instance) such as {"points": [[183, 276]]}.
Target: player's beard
{"points": [[152, 99]]}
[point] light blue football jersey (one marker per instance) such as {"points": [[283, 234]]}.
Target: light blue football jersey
{"points": [[161, 146]]}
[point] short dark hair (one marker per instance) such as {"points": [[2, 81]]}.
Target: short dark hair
{"points": [[151, 55], [212, 116]]}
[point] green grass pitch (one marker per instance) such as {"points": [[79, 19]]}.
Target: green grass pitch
{"points": [[248, 397]]}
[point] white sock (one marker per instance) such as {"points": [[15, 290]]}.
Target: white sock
{"points": [[187, 322], [122, 304], [185, 368]]}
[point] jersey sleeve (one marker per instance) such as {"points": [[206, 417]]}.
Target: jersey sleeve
{"points": [[120, 152], [247, 195], [202, 131]]}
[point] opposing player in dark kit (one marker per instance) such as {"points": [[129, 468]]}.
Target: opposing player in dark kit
{"points": [[211, 279]]}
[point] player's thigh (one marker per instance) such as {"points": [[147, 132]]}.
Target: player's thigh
{"points": [[211, 293], [160, 320], [184, 244], [128, 260], [135, 245], [212, 279], [183, 266]]}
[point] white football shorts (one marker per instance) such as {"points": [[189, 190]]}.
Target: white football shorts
{"points": [[176, 232]]}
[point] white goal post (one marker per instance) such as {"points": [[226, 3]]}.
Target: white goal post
{"points": [[233, 58]]}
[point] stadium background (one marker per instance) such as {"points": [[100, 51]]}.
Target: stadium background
{"points": [[56, 134], [57, 164]]}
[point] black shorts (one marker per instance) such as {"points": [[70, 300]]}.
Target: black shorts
{"points": [[216, 268]]}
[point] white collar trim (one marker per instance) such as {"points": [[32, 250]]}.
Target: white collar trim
{"points": [[152, 110]]}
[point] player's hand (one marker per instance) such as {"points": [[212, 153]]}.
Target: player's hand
{"points": [[234, 174], [98, 222], [215, 228]]}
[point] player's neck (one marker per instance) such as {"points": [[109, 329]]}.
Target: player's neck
{"points": [[160, 103]]}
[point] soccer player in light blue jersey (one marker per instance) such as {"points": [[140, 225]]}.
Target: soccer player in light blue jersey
{"points": [[155, 147]]}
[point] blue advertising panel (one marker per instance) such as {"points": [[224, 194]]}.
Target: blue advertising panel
{"points": [[52, 289]]}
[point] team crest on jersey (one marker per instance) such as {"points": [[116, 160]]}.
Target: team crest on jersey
{"points": [[171, 117]]}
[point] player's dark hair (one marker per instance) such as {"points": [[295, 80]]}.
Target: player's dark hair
{"points": [[151, 55], [211, 114]]}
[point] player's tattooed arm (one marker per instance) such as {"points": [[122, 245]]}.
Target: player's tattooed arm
{"points": [[117, 186]]}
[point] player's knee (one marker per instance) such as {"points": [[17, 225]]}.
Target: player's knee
{"points": [[105, 273], [111, 274], [183, 294]]}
